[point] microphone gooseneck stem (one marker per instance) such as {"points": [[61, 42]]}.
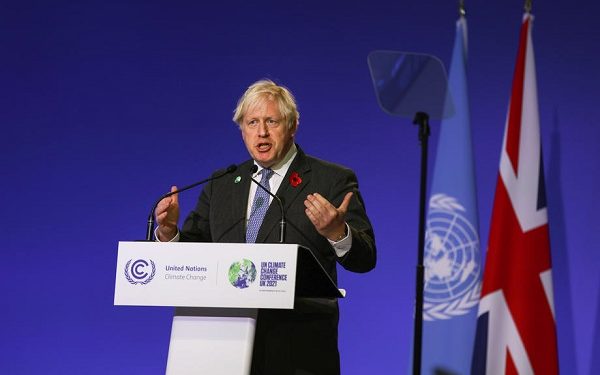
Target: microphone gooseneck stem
{"points": [[150, 225], [282, 230]]}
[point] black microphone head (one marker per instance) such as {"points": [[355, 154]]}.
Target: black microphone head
{"points": [[254, 169], [231, 168]]}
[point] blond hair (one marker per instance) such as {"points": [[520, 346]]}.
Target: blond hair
{"points": [[266, 89]]}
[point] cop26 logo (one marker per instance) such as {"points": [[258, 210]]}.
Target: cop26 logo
{"points": [[242, 273], [139, 271]]}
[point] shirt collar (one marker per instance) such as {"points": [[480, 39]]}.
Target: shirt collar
{"points": [[282, 167]]}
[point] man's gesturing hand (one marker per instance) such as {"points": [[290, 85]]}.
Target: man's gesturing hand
{"points": [[167, 217], [328, 220]]}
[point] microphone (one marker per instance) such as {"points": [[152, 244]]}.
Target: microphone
{"points": [[150, 227], [282, 223]]}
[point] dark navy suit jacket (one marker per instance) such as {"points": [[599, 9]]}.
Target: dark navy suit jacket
{"points": [[302, 340]]}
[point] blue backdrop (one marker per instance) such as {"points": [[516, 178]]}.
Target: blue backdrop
{"points": [[105, 104]]}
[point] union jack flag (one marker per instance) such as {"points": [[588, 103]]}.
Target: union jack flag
{"points": [[516, 330]]}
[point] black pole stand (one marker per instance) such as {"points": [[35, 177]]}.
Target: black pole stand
{"points": [[422, 120]]}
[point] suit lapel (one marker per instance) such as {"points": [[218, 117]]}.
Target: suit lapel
{"points": [[288, 193], [239, 197]]}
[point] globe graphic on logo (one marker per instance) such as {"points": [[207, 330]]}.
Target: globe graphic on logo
{"points": [[452, 264], [242, 273]]}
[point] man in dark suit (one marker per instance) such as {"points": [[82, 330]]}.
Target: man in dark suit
{"points": [[324, 212]]}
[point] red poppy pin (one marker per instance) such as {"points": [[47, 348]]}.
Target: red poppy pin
{"points": [[295, 179]]}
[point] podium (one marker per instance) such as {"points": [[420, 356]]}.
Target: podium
{"points": [[218, 289]]}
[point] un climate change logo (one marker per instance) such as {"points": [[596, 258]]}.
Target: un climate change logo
{"points": [[242, 273], [452, 261], [137, 273]]}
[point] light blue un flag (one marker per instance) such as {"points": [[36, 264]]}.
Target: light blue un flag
{"points": [[452, 259]]}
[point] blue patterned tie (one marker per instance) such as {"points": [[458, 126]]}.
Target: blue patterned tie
{"points": [[259, 207]]}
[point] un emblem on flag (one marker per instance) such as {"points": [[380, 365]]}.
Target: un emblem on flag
{"points": [[452, 260]]}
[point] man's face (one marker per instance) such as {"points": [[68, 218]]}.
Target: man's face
{"points": [[266, 133]]}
